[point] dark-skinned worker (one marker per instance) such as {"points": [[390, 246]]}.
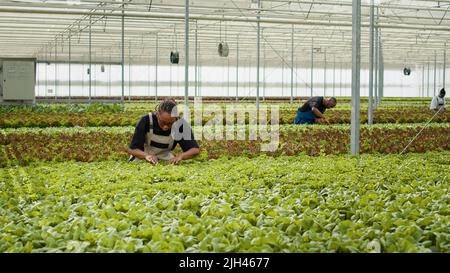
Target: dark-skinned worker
{"points": [[157, 134], [312, 111]]}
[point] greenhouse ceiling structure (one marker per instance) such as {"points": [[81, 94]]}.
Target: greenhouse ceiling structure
{"points": [[410, 32]]}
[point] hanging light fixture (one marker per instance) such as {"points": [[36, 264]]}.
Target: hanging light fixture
{"points": [[174, 54], [407, 71]]}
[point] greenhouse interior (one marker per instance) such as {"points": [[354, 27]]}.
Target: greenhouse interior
{"points": [[225, 126]]}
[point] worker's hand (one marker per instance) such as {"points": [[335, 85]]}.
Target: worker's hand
{"points": [[153, 159], [176, 160], [322, 121]]}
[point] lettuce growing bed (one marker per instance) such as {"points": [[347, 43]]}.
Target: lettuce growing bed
{"points": [[266, 204]]}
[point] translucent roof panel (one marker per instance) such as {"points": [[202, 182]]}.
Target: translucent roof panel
{"points": [[410, 32]]}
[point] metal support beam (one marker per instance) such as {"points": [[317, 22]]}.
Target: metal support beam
{"points": [[445, 66], [129, 70], [258, 53], [423, 81], [156, 66], [312, 66], [340, 79], [296, 79], [196, 58], [264, 69], [37, 76], [46, 80], [381, 76], [334, 76], [82, 78], [109, 76], [325, 73], [149, 84], [356, 66], [435, 73], [232, 18], [376, 61], [282, 75], [428, 77], [56, 68], [228, 78], [371, 61], [186, 52], [70, 66], [199, 72], [292, 65], [237, 67], [90, 58], [123, 55]]}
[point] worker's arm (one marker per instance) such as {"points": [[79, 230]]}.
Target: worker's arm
{"points": [[317, 113], [136, 148], [185, 155], [434, 104]]}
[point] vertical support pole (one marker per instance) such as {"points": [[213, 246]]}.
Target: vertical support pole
{"points": [[228, 78], [149, 84], [258, 53], [109, 76], [282, 76], [199, 72], [90, 58], [170, 79], [237, 67], [356, 65], [325, 74], [56, 68], [249, 75], [376, 64], [156, 66], [264, 70], [37, 76], [445, 66], [46, 76], [129, 70], [123, 55], [423, 81], [292, 65], [196, 59], [186, 52], [94, 80], [334, 76], [312, 66], [340, 79], [82, 79], [435, 72], [381, 85], [371, 61], [296, 78], [428, 77], [70, 66]]}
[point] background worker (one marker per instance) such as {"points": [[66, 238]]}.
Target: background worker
{"points": [[438, 102], [313, 110]]}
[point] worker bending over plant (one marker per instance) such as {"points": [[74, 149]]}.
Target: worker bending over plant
{"points": [[438, 102], [157, 134], [313, 109]]}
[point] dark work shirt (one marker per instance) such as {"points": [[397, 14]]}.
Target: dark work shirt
{"points": [[313, 102], [143, 127]]}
